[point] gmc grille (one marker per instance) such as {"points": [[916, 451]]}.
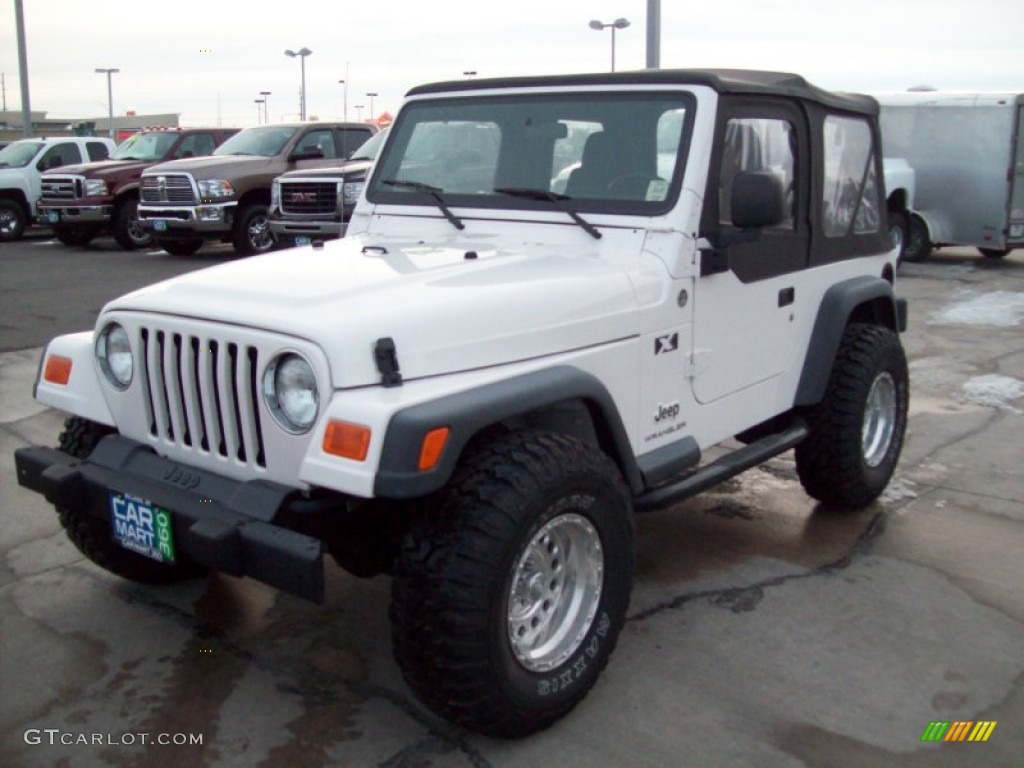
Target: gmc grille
{"points": [[59, 188], [202, 394], [306, 197], [168, 188]]}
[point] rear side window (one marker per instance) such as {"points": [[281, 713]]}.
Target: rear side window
{"points": [[196, 145], [851, 189], [352, 139], [97, 150]]}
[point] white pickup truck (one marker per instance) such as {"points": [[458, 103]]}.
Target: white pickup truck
{"points": [[22, 162]]}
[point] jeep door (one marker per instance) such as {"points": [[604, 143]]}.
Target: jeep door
{"points": [[746, 302]]}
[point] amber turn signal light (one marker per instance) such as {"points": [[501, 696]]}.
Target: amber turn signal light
{"points": [[350, 441], [432, 447], [58, 370]]}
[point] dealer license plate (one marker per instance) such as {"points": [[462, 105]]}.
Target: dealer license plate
{"points": [[302, 241], [1017, 230], [53, 217], [142, 527], [160, 225]]}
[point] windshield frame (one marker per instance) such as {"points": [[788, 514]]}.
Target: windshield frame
{"points": [[564, 107], [13, 150], [251, 138]]}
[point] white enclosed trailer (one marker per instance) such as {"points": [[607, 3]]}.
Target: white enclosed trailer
{"points": [[966, 151]]}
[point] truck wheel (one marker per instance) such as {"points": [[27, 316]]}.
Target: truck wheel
{"points": [[74, 234], [12, 220], [897, 233], [510, 592], [251, 233], [917, 246], [92, 536], [856, 433], [180, 247], [127, 230]]}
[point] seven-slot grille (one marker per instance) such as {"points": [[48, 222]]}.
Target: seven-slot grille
{"points": [[167, 188], [305, 197], [202, 394], [62, 187]]}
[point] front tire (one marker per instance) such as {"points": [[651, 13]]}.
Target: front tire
{"points": [[856, 432], [74, 235], [92, 535], [251, 233], [127, 229], [509, 596], [12, 220]]}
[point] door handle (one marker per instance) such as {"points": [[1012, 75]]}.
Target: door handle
{"points": [[787, 296]]}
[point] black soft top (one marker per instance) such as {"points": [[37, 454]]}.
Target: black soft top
{"points": [[745, 81]]}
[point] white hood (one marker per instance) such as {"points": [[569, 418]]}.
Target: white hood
{"points": [[445, 312]]}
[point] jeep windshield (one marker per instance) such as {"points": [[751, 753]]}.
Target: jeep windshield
{"points": [[265, 141], [607, 151], [145, 146], [19, 154]]}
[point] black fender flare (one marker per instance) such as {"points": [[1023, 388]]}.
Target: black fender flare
{"points": [[468, 413], [859, 299]]}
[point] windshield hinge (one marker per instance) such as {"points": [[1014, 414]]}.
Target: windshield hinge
{"points": [[386, 356]]}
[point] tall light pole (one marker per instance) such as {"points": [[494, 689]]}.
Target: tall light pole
{"points": [[470, 73], [110, 95], [371, 95], [26, 109], [259, 110], [614, 25], [266, 105], [302, 53], [344, 99], [359, 112], [653, 34]]}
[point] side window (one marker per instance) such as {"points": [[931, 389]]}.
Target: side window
{"points": [[59, 155], [196, 145], [322, 139], [352, 139], [97, 150], [851, 189], [761, 146]]}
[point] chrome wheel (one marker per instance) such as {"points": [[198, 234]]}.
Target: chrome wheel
{"points": [[139, 236], [259, 234], [879, 419], [555, 591]]}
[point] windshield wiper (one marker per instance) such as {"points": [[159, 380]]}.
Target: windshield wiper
{"points": [[434, 192], [551, 197]]}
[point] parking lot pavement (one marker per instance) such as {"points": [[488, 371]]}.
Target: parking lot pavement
{"points": [[762, 632]]}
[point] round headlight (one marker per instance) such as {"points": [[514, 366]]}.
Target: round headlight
{"points": [[289, 387], [114, 353]]}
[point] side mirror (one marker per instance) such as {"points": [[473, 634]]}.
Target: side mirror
{"points": [[757, 200], [307, 153]]}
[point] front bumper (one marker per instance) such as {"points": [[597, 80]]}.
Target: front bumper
{"points": [[53, 213], [210, 220], [231, 526], [289, 229]]}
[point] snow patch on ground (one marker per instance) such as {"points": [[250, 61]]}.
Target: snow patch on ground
{"points": [[999, 308], [994, 391], [899, 489]]}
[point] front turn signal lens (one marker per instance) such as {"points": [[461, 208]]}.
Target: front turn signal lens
{"points": [[432, 447], [58, 370], [350, 441]]}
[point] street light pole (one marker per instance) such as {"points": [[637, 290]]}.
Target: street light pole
{"points": [[266, 105], [344, 100], [614, 25], [259, 110], [302, 53], [359, 112], [371, 95], [110, 96]]}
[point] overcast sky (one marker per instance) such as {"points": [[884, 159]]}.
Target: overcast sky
{"points": [[209, 59]]}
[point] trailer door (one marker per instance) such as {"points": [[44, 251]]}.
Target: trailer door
{"points": [[1016, 223]]}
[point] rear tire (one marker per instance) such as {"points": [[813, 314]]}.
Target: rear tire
{"points": [[898, 233], [856, 432], [510, 593], [127, 229], [92, 536], [994, 253], [180, 247], [74, 235], [917, 245]]}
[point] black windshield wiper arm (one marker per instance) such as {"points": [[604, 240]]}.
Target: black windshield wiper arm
{"points": [[551, 197], [434, 192]]}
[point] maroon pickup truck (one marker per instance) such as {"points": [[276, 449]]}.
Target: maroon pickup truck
{"points": [[80, 201]]}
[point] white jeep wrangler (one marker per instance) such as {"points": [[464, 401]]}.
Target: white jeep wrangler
{"points": [[479, 386]]}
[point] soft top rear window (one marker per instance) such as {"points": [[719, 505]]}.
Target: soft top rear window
{"points": [[613, 152]]}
